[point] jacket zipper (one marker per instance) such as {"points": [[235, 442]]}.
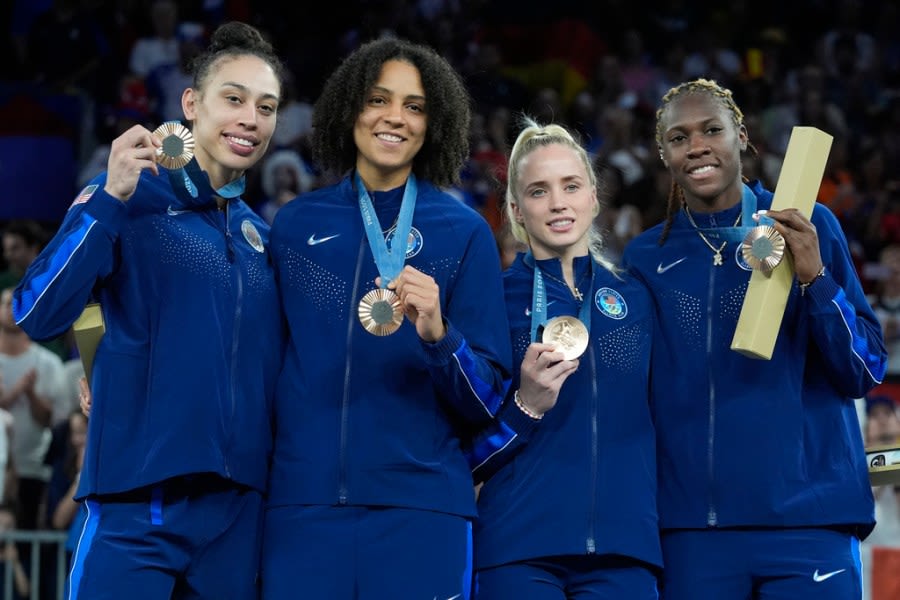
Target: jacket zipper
{"points": [[590, 543], [343, 492], [712, 518]]}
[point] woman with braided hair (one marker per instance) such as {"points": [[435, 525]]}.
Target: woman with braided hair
{"points": [[763, 486]]}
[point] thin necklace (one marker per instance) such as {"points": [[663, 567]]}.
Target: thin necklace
{"points": [[574, 289], [717, 256]]}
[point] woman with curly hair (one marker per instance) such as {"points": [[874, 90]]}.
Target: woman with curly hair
{"points": [[398, 342]]}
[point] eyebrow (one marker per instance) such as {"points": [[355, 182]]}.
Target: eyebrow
{"points": [[385, 90], [564, 179], [245, 89]]}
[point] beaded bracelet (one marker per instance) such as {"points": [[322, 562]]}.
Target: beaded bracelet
{"points": [[528, 412], [803, 286]]}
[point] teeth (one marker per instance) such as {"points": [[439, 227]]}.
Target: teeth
{"points": [[562, 223], [700, 170], [390, 138], [241, 142]]}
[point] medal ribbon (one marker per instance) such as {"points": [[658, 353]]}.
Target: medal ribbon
{"points": [[191, 182], [738, 233], [388, 261], [539, 299]]}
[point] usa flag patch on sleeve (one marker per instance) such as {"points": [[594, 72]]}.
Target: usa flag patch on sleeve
{"points": [[85, 195]]}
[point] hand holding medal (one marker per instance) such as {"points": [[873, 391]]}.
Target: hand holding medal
{"points": [[763, 247], [420, 300], [800, 237], [543, 372]]}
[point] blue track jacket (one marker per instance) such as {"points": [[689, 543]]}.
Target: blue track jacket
{"points": [[184, 377], [758, 443], [376, 421], [583, 479]]}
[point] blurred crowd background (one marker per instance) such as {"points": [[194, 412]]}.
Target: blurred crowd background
{"points": [[76, 73]]}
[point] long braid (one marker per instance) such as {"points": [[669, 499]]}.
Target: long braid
{"points": [[697, 86], [676, 198]]}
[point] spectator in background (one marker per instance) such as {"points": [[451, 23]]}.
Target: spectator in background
{"points": [[882, 427], [21, 584], [63, 511], [886, 304], [9, 483], [23, 240], [294, 120], [166, 80], [162, 46], [32, 393], [284, 176]]}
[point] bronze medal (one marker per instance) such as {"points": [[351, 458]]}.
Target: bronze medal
{"points": [[567, 335], [177, 145], [380, 312], [763, 248]]}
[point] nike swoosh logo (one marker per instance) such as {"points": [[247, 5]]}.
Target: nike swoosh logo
{"points": [[819, 578], [313, 240], [662, 269], [174, 213], [451, 597]]}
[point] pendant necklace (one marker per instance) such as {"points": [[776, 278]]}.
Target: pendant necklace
{"points": [[717, 252], [574, 288]]}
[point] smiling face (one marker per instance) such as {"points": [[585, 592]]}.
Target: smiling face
{"points": [[233, 116], [390, 130], [555, 202], [701, 146]]}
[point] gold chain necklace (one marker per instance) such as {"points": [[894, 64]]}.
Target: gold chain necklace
{"points": [[573, 288], [717, 252]]}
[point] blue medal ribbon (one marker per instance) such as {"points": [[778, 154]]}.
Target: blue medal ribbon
{"points": [[539, 299], [191, 182], [389, 261], [738, 233]]}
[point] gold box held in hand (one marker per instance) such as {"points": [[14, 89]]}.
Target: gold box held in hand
{"points": [[88, 329], [767, 293]]}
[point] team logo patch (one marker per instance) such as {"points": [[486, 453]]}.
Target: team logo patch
{"points": [[740, 260], [414, 241], [611, 303], [84, 195], [252, 235]]}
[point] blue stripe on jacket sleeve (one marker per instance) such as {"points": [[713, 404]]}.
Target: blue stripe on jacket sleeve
{"points": [[483, 390], [40, 282], [871, 361], [486, 447]]}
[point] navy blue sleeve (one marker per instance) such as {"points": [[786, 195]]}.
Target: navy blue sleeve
{"points": [[843, 324], [499, 443], [470, 366], [58, 284]]}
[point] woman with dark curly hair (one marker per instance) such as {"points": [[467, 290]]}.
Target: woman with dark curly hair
{"points": [[398, 342]]}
